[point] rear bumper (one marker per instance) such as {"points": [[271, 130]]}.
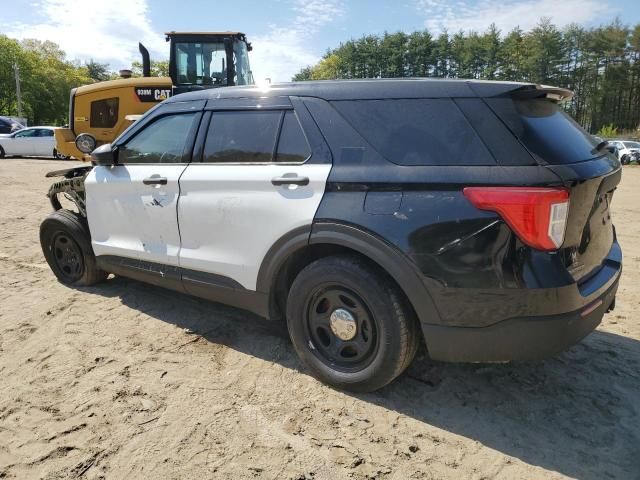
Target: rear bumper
{"points": [[519, 339]]}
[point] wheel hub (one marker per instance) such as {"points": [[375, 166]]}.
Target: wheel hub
{"points": [[343, 324], [68, 257]]}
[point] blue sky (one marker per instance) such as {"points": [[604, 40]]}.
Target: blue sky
{"points": [[286, 34]]}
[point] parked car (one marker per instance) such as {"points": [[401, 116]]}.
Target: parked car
{"points": [[369, 214], [628, 150], [8, 125], [32, 141]]}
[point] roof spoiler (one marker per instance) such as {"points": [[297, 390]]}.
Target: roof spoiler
{"points": [[520, 90], [555, 94]]}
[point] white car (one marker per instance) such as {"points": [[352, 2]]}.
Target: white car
{"points": [[30, 142], [627, 150]]}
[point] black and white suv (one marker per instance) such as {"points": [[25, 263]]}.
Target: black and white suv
{"points": [[369, 214]]}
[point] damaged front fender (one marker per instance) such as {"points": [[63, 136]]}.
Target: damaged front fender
{"points": [[71, 186]]}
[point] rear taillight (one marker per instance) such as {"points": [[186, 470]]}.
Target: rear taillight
{"points": [[538, 216]]}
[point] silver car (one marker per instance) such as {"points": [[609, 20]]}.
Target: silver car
{"points": [[30, 142], [628, 150]]}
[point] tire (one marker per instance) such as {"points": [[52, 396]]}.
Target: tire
{"points": [[386, 334], [624, 160], [1, 152], [66, 245], [59, 156]]}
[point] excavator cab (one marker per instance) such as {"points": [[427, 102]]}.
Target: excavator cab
{"points": [[99, 112], [208, 60]]}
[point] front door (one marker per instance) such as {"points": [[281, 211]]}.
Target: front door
{"points": [[131, 207], [22, 142], [256, 183]]}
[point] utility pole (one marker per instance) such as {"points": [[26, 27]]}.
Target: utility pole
{"points": [[16, 69]]}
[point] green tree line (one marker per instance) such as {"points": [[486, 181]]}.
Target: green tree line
{"points": [[45, 80], [47, 77], [601, 64]]}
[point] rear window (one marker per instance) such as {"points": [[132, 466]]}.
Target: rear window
{"points": [[551, 135], [416, 132]]}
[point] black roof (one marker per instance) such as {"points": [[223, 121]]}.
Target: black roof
{"points": [[373, 89]]}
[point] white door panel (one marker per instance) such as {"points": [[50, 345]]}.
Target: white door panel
{"points": [[40, 147], [47, 144], [230, 215], [23, 142], [17, 146], [130, 219]]}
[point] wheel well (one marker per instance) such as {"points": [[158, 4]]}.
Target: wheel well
{"points": [[303, 257]]}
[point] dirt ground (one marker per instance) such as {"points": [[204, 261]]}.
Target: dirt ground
{"points": [[125, 380]]}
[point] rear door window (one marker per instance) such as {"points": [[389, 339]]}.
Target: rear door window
{"points": [[551, 135], [242, 137], [416, 132]]}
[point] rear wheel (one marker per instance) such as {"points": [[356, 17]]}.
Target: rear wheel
{"points": [[624, 160], [58, 155], [1, 152], [350, 325], [66, 244]]}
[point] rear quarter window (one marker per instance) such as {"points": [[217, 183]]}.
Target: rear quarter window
{"points": [[292, 145], [416, 132], [551, 135]]}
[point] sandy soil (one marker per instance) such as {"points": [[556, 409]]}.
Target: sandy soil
{"points": [[125, 380]]}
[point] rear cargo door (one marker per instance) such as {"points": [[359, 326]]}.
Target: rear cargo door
{"points": [[591, 174]]}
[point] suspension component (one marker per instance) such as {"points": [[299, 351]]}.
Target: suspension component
{"points": [[72, 187]]}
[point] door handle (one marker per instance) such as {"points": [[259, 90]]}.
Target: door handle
{"points": [[293, 180], [155, 180]]}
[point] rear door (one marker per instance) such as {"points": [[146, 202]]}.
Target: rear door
{"points": [[258, 180], [131, 207], [43, 143]]}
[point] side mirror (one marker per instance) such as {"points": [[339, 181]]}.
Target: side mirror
{"points": [[104, 155]]}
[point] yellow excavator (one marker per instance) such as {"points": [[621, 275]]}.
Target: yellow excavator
{"points": [[99, 112]]}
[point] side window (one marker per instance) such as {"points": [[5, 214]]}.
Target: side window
{"points": [[242, 137], [292, 145], [26, 133], [163, 141], [44, 132], [414, 132], [104, 113]]}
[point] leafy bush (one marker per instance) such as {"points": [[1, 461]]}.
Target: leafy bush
{"points": [[607, 131]]}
